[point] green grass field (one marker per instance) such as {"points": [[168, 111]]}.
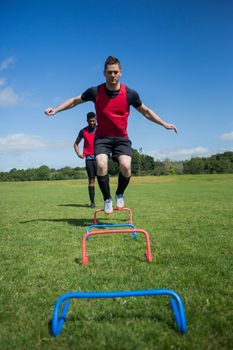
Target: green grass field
{"points": [[190, 222]]}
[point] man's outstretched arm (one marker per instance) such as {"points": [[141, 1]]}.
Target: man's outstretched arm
{"points": [[70, 103], [151, 115], [76, 147]]}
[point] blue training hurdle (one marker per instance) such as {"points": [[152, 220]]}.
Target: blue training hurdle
{"points": [[59, 317], [134, 234]]}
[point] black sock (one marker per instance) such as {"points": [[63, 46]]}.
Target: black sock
{"points": [[122, 183], [91, 190], [103, 182]]}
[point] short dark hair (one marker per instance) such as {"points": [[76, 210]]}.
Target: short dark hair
{"points": [[90, 115], [111, 60]]}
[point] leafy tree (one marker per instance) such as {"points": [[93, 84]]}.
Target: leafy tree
{"points": [[159, 168], [147, 165], [113, 167], [194, 166], [141, 165], [42, 173], [135, 162]]}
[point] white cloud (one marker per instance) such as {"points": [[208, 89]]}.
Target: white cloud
{"points": [[8, 97], [23, 151], [179, 154], [6, 63], [20, 142], [2, 81], [227, 136]]}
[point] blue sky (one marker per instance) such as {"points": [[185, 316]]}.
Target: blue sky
{"points": [[176, 54]]}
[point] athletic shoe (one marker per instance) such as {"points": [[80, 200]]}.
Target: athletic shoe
{"points": [[120, 201], [92, 205], [108, 206]]}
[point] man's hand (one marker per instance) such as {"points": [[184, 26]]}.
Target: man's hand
{"points": [[50, 111], [81, 156], [170, 127]]}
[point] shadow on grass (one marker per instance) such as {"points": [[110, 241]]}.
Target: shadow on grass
{"points": [[70, 221], [120, 315], [50, 328], [74, 205], [98, 259]]}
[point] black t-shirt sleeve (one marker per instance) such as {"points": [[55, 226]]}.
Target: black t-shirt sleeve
{"points": [[80, 135], [90, 94], [133, 98]]}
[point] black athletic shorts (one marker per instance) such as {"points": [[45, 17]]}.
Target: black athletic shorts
{"points": [[91, 168], [113, 146]]}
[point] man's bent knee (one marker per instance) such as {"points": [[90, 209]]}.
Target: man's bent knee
{"points": [[125, 165], [126, 172], [102, 164]]}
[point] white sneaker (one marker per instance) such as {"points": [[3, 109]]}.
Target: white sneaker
{"points": [[120, 201], [108, 206]]}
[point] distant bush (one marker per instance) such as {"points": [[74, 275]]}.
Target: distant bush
{"points": [[216, 164], [141, 165]]}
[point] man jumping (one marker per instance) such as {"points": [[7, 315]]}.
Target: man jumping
{"points": [[112, 102]]}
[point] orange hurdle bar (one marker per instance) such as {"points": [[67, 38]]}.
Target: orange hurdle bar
{"points": [[104, 232], [115, 209]]}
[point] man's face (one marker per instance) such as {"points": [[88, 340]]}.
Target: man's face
{"points": [[91, 122], [112, 74]]}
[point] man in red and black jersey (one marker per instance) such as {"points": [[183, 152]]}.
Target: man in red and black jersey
{"points": [[88, 134], [112, 103]]}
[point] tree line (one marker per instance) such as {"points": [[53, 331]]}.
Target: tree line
{"points": [[142, 165]]}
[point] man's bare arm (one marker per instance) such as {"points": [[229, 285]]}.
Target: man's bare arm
{"points": [[151, 115], [76, 147], [70, 103]]}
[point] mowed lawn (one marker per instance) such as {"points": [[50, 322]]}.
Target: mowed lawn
{"points": [[190, 222]]}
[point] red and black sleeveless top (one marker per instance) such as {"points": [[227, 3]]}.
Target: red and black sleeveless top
{"points": [[88, 147], [112, 113]]}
